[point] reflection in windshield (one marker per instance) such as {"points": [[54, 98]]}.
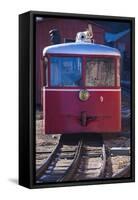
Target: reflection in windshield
{"points": [[66, 71], [100, 72]]}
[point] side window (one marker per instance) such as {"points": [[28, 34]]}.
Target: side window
{"points": [[118, 72], [45, 72], [65, 71], [100, 72]]}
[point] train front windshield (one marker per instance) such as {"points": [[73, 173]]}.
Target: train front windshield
{"points": [[100, 72], [67, 72]]}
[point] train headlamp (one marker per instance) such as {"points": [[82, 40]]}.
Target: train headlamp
{"points": [[84, 95]]}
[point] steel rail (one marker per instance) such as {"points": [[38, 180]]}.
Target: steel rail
{"points": [[45, 166], [104, 158], [123, 172], [74, 165]]}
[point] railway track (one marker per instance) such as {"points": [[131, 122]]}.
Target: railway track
{"points": [[60, 161], [92, 161], [123, 172], [74, 158], [80, 158]]}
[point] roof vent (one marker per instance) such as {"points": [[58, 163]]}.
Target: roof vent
{"points": [[82, 37], [85, 36]]}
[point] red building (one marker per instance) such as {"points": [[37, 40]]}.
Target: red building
{"points": [[68, 29]]}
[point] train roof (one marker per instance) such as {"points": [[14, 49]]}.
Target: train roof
{"points": [[81, 48]]}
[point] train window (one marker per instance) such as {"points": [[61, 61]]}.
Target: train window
{"points": [[45, 71], [118, 73], [100, 72], [65, 71]]}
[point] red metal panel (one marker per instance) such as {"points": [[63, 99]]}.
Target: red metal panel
{"points": [[63, 112]]}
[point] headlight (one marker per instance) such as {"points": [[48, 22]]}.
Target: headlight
{"points": [[84, 95]]}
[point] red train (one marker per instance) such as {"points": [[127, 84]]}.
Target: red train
{"points": [[82, 92]]}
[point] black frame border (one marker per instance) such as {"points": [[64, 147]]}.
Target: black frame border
{"points": [[27, 99]]}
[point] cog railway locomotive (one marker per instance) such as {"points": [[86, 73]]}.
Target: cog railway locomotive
{"points": [[82, 92]]}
